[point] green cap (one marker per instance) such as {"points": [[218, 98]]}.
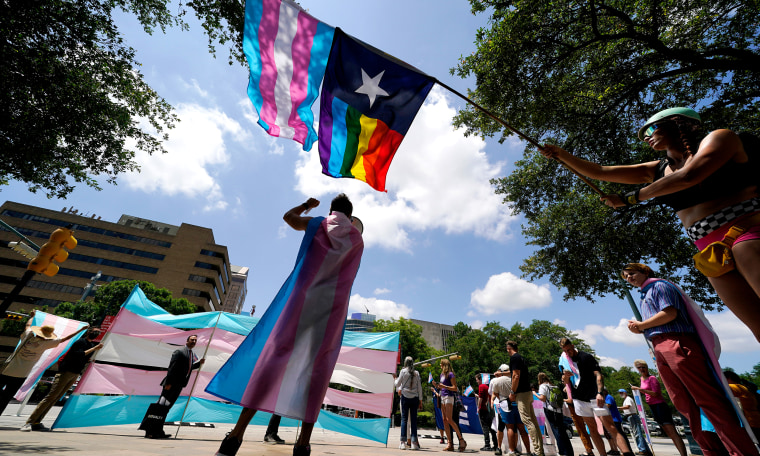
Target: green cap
{"points": [[672, 112]]}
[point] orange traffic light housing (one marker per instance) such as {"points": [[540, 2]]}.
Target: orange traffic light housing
{"points": [[53, 250]]}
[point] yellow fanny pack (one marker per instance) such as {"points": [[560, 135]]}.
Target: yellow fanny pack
{"points": [[716, 259]]}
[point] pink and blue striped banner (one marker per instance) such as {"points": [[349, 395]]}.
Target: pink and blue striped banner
{"points": [[287, 51]]}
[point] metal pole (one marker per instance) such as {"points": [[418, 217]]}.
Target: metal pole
{"points": [[437, 357], [29, 242], [198, 374], [637, 314], [522, 135], [28, 274]]}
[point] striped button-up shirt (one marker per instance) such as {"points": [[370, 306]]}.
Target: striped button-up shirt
{"points": [[658, 296]]}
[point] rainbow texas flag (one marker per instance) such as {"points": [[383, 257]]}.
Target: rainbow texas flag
{"points": [[369, 100]]}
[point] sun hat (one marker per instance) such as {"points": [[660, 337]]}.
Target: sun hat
{"points": [[46, 332], [646, 129], [503, 368]]}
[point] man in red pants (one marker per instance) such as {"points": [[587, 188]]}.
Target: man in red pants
{"points": [[671, 322]]}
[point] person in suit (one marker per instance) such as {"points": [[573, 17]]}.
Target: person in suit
{"points": [[182, 364]]}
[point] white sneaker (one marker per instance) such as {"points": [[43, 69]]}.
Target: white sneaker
{"points": [[26, 427], [415, 445], [402, 446]]}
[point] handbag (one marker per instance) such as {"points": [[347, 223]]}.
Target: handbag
{"points": [[154, 418], [716, 259]]}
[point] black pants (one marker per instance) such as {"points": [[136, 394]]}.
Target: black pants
{"points": [[274, 425], [560, 432], [485, 423], [8, 388]]}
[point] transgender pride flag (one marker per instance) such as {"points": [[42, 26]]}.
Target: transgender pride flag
{"points": [[63, 327], [287, 52]]}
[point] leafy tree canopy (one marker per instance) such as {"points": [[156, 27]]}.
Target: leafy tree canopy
{"points": [[484, 350], [411, 341], [586, 75], [71, 91], [109, 298]]}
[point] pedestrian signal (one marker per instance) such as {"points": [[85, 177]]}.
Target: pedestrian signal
{"points": [[53, 250]]}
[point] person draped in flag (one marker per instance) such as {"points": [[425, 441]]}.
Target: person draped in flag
{"points": [[284, 365], [34, 341], [687, 350]]}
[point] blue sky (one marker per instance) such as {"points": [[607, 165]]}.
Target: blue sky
{"points": [[440, 246]]}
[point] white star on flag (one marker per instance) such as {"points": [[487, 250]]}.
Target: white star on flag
{"points": [[371, 87]]}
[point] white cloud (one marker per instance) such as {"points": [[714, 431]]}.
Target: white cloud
{"points": [[611, 362], [380, 291], [620, 334], [439, 179], [196, 146], [734, 335], [274, 145], [506, 292], [195, 87], [477, 324], [382, 308], [559, 322]]}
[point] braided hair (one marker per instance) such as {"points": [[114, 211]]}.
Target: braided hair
{"points": [[689, 133]]}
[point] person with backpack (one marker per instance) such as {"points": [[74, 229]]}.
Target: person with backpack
{"points": [[710, 183], [552, 397], [409, 387]]}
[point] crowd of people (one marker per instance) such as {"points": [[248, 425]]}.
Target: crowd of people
{"points": [[705, 179]]}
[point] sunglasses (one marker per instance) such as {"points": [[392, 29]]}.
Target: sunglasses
{"points": [[649, 131]]}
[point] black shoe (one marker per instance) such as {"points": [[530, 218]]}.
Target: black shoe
{"points": [[40, 427], [273, 439], [497, 452], [486, 448], [302, 450], [229, 446]]}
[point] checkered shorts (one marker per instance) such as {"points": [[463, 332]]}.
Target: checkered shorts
{"points": [[714, 221]]}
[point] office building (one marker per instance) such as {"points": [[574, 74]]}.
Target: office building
{"points": [[238, 291], [358, 321], [184, 259]]}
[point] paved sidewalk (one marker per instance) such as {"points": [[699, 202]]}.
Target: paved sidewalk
{"points": [[126, 440]]}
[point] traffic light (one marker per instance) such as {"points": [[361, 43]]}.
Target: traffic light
{"points": [[23, 249], [53, 250]]}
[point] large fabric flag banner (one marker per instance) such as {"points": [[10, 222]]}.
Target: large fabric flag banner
{"points": [[124, 378], [63, 327], [287, 51], [369, 100]]}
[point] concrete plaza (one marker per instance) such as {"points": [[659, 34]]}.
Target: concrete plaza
{"points": [[126, 440]]}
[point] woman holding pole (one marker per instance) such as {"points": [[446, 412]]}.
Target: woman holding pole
{"points": [[710, 184]]}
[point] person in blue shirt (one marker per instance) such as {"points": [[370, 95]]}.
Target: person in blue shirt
{"points": [[609, 402]]}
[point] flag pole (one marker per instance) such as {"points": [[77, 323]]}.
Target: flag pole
{"points": [[190, 394], [520, 134]]}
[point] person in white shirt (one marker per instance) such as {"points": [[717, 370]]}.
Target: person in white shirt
{"points": [[631, 415], [409, 387]]}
